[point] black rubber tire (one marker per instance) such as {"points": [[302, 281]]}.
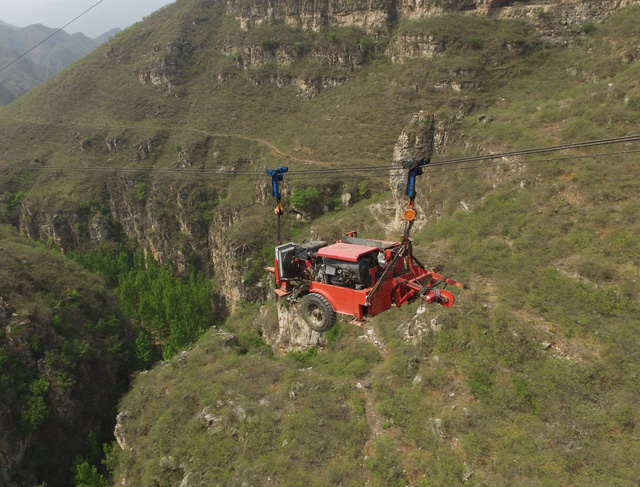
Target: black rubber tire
{"points": [[318, 313]]}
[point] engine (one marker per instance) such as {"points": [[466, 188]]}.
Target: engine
{"points": [[341, 264], [345, 273]]}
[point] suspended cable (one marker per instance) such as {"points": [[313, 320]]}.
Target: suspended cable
{"points": [[49, 37], [355, 171], [540, 150], [485, 166]]}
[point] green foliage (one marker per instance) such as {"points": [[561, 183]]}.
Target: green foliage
{"points": [[34, 414], [386, 463], [269, 44], [480, 383], [39, 386], [141, 192], [144, 349], [363, 191], [11, 207], [36, 410], [305, 198], [301, 48], [475, 42], [176, 310], [87, 475], [15, 202]]}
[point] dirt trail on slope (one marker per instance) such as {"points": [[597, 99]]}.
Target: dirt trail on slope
{"points": [[257, 140]]}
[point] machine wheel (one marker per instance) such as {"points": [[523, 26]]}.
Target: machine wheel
{"points": [[318, 313]]}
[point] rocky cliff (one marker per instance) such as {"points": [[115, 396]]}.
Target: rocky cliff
{"points": [[552, 18]]}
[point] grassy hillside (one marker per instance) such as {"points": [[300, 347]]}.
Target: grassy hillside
{"points": [[356, 122], [64, 361], [531, 379]]}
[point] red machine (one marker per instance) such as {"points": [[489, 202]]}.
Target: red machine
{"points": [[355, 276]]}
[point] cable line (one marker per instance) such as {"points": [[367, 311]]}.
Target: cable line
{"points": [[485, 166], [577, 145], [49, 37], [353, 170]]}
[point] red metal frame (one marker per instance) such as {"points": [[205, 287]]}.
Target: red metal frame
{"points": [[405, 283]]}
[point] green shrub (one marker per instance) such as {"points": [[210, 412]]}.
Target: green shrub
{"points": [[35, 411], [144, 349], [269, 44], [386, 463], [86, 475], [475, 43], [480, 383], [141, 192], [305, 198]]}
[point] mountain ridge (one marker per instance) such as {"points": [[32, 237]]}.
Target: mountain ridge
{"points": [[44, 61]]}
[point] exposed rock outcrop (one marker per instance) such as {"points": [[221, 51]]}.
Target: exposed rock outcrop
{"points": [[554, 18], [291, 332], [166, 64], [311, 14], [415, 142]]}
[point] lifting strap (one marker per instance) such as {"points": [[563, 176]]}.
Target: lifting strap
{"points": [[277, 176], [414, 166]]}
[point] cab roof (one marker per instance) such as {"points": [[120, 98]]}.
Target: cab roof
{"points": [[346, 251]]}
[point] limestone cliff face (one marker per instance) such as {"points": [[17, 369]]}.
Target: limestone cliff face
{"points": [[555, 21], [165, 64], [415, 142], [314, 14], [171, 230], [290, 332], [375, 15], [225, 255]]}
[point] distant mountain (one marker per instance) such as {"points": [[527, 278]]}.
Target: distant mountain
{"points": [[21, 77], [44, 61], [107, 35]]}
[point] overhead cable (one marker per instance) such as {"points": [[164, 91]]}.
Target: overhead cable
{"points": [[220, 172]]}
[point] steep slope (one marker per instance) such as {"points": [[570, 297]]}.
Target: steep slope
{"points": [[64, 361], [529, 380]]}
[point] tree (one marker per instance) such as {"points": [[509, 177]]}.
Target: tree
{"points": [[88, 476]]}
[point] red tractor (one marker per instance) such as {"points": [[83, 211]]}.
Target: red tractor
{"points": [[355, 276]]}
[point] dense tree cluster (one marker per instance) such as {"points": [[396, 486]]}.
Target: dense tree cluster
{"points": [[173, 311]]}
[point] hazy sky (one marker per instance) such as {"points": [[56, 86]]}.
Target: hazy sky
{"points": [[56, 13]]}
